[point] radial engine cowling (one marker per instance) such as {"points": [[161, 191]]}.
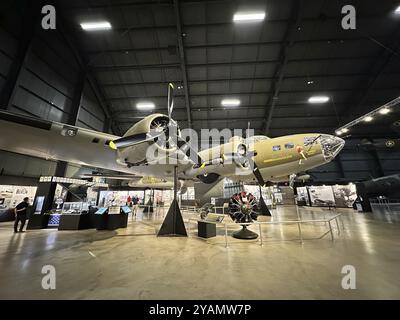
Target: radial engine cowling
{"points": [[151, 131]]}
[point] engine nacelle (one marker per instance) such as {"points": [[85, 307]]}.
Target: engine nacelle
{"points": [[140, 152]]}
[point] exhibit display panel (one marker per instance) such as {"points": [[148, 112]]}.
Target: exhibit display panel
{"points": [[114, 210], [342, 196], [321, 196], [253, 189], [189, 194], [60, 196], [109, 198], [345, 195], [272, 195], [74, 207], [302, 196], [91, 196], [11, 196], [101, 210]]}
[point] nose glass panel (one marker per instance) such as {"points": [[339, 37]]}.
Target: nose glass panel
{"points": [[331, 146]]}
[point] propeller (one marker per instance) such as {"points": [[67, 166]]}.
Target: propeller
{"points": [[134, 139], [253, 165], [243, 156], [168, 131], [170, 101]]}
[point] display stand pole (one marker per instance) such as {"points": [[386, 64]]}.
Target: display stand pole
{"points": [[173, 224], [263, 209]]}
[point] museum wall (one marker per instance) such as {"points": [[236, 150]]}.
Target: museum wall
{"points": [[91, 116], [20, 169], [47, 81], [44, 88], [354, 164]]}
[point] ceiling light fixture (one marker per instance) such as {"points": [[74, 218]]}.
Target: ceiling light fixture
{"points": [[345, 130], [397, 11], [318, 99], [384, 111], [230, 102], [248, 16], [368, 119], [144, 106], [338, 132], [93, 26]]}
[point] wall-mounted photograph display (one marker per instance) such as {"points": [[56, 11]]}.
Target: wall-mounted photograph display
{"points": [[60, 196], [321, 196], [302, 196], [13, 195], [345, 195]]}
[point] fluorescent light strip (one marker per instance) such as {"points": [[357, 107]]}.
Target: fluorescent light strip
{"points": [[243, 17], [101, 25], [384, 111], [230, 102], [318, 99], [368, 119], [338, 132], [145, 106]]}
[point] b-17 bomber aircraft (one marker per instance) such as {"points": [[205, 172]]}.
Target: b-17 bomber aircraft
{"points": [[254, 158]]}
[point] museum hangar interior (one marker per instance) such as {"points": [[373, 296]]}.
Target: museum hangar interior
{"points": [[308, 187]]}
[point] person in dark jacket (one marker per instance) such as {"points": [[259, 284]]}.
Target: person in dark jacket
{"points": [[21, 215]]}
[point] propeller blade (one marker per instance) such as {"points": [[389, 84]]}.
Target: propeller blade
{"points": [[132, 140], [189, 151], [258, 175], [170, 100]]}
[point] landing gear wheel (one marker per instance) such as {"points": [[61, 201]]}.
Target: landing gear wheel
{"points": [[243, 209]]}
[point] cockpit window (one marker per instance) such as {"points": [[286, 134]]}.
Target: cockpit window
{"points": [[308, 140], [276, 148], [289, 145]]}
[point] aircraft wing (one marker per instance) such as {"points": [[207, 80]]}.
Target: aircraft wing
{"points": [[56, 141], [112, 177]]}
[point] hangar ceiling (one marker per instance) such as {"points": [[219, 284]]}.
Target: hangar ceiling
{"points": [[94, 79], [273, 66]]}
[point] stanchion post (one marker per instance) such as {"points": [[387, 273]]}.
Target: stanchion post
{"points": [[337, 226], [261, 238], [226, 236], [330, 229], [300, 233]]}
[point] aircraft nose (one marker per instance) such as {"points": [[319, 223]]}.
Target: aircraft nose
{"points": [[331, 146]]}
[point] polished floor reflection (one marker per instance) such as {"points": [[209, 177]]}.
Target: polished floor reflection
{"points": [[133, 263]]}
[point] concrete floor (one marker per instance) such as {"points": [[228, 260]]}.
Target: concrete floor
{"points": [[133, 263]]}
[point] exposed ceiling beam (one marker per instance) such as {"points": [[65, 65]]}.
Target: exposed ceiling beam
{"points": [[229, 45], [182, 61], [224, 94], [305, 77], [270, 22], [136, 67], [245, 118], [302, 112], [375, 71], [294, 22], [99, 68], [82, 60]]}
